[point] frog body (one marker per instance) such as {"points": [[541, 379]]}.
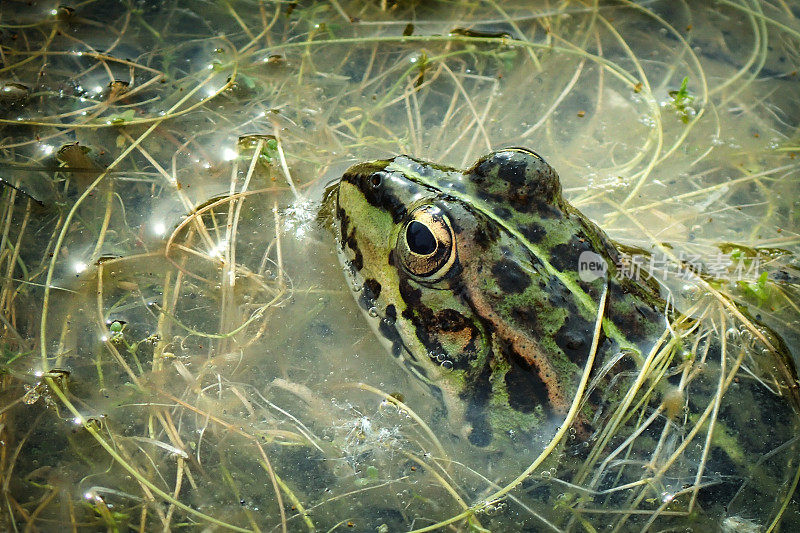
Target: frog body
{"points": [[478, 282]]}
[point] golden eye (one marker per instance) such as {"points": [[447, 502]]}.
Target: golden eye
{"points": [[425, 246]]}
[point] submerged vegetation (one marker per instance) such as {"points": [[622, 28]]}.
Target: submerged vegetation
{"points": [[682, 101], [178, 346]]}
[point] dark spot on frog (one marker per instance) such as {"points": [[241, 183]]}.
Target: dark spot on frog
{"points": [[513, 172], [594, 288], [485, 235], [526, 177], [558, 295], [510, 277], [525, 387], [393, 205], [398, 348], [422, 318], [411, 296], [533, 231], [487, 197], [389, 331], [638, 320], [373, 287], [391, 313], [525, 318], [565, 256], [451, 320], [784, 275], [575, 338], [431, 327], [773, 418], [481, 434], [482, 170], [481, 238], [344, 223], [369, 293], [476, 395], [520, 200], [358, 261], [502, 212], [548, 210], [458, 332]]}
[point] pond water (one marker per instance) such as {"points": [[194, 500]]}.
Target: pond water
{"points": [[180, 348]]}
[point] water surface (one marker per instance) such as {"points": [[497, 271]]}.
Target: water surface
{"points": [[179, 347]]}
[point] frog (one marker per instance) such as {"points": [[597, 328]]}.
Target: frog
{"points": [[501, 297], [475, 275]]}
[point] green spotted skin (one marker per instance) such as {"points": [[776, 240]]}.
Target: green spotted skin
{"points": [[501, 319]]}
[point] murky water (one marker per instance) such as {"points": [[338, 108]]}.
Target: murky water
{"points": [[180, 349]]}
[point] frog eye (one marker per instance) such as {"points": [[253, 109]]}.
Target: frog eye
{"points": [[425, 246]]}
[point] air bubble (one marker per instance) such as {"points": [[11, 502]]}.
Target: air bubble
{"points": [[447, 365], [388, 408], [373, 311]]}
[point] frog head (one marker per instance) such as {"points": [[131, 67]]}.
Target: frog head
{"points": [[472, 279]]}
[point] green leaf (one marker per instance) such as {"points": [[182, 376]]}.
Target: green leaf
{"points": [[682, 101], [121, 118], [759, 290]]}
